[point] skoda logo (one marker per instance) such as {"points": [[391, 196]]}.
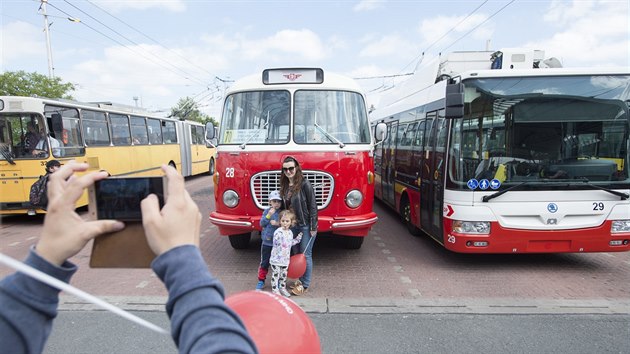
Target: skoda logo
{"points": [[552, 207]]}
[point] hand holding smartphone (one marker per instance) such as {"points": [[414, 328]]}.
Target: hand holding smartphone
{"points": [[119, 199]]}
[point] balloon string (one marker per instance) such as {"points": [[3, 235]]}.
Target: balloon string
{"points": [[58, 284]]}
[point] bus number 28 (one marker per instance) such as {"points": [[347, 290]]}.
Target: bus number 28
{"points": [[229, 172]]}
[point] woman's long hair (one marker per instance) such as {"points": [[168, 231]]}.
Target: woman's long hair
{"points": [[297, 179]]}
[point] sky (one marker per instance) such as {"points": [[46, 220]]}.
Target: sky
{"points": [[151, 53]]}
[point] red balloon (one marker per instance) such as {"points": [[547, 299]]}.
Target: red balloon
{"points": [[297, 266], [275, 323]]}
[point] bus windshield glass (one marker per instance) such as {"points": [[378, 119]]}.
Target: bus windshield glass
{"points": [[542, 130], [320, 117]]}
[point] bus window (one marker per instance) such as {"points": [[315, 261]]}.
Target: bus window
{"points": [[331, 117], [155, 131], [170, 135], [198, 135], [95, 130], [120, 129], [64, 124], [139, 131]]}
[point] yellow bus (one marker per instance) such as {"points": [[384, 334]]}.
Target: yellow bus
{"points": [[124, 141]]}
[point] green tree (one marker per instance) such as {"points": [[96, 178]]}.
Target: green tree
{"points": [[21, 83], [188, 109]]}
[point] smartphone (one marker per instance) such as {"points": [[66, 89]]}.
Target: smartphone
{"points": [[119, 197]]}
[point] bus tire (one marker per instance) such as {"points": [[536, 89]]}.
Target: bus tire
{"points": [[211, 167], [240, 241], [352, 242], [405, 214]]}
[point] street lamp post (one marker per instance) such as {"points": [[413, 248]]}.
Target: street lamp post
{"points": [[51, 69]]}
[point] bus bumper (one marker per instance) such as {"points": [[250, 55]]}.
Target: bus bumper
{"points": [[356, 225], [502, 240]]}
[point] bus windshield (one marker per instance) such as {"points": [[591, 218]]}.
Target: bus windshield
{"points": [[542, 129], [320, 117]]}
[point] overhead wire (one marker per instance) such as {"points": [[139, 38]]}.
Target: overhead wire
{"points": [[185, 76], [148, 37]]}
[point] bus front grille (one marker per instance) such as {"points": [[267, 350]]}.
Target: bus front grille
{"points": [[264, 182]]}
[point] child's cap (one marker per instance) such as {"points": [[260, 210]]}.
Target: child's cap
{"points": [[275, 195]]}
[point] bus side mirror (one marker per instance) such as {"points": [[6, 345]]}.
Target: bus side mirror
{"points": [[210, 129], [380, 132], [454, 101]]}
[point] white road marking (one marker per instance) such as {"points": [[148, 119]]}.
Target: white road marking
{"points": [[405, 280], [14, 244], [387, 251], [142, 284], [391, 259]]}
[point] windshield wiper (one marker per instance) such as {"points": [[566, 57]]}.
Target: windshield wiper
{"points": [[330, 137], [621, 195], [242, 146], [5, 151], [486, 198]]}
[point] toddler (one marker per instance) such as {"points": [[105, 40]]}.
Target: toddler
{"points": [[269, 223], [281, 252]]}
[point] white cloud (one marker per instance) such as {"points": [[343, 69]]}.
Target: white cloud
{"points": [[368, 5], [119, 5], [20, 40], [386, 45], [590, 33]]}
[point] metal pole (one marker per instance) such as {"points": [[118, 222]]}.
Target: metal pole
{"points": [[51, 69]]}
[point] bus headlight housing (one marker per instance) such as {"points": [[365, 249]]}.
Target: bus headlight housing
{"points": [[471, 227], [354, 198], [230, 198], [619, 226]]}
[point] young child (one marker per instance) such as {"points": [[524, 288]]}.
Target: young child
{"points": [[269, 222], [281, 252]]}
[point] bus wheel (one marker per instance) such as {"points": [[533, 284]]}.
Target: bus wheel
{"points": [[241, 241], [211, 168], [352, 242], [405, 213]]}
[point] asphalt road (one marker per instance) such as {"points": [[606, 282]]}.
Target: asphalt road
{"points": [[101, 332]]}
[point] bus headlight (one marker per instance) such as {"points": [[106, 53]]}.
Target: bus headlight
{"points": [[471, 227], [354, 198], [619, 226], [230, 198]]}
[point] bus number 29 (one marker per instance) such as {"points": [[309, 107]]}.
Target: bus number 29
{"points": [[598, 206]]}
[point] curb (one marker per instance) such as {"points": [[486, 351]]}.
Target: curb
{"points": [[393, 305]]}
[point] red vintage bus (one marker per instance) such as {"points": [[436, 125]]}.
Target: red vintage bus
{"points": [[317, 117]]}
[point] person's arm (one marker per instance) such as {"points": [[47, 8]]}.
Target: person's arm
{"points": [[28, 306], [266, 218], [312, 205], [200, 320]]}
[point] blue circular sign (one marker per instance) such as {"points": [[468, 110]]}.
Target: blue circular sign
{"points": [[472, 183], [552, 207], [495, 184], [484, 184]]}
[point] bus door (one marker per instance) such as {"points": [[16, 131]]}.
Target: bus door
{"points": [[432, 175], [185, 143], [389, 164]]}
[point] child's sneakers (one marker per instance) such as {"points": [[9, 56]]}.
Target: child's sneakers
{"points": [[284, 292], [260, 285]]}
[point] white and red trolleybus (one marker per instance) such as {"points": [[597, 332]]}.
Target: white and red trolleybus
{"points": [[317, 117], [507, 153]]}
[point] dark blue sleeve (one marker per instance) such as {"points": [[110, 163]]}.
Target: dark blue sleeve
{"points": [[200, 320], [28, 306], [264, 221]]}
